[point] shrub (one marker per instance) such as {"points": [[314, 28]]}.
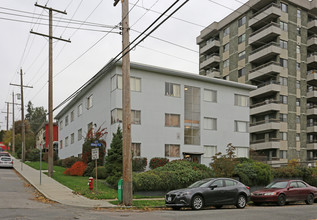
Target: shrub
{"points": [[58, 162], [287, 172], [158, 162], [69, 161], [101, 172], [77, 169], [139, 164], [45, 156], [174, 175], [33, 155], [90, 167]]}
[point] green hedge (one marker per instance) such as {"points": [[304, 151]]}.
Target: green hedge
{"points": [[139, 164], [101, 172], [174, 175]]}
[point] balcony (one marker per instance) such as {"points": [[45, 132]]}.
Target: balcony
{"points": [[312, 77], [212, 61], [265, 34], [266, 106], [312, 25], [311, 110], [312, 42], [265, 15], [312, 145], [265, 125], [211, 45], [312, 127], [273, 143], [265, 71], [266, 89], [312, 60], [214, 73], [266, 52], [311, 94]]}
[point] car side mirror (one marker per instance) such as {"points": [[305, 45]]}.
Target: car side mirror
{"points": [[213, 186], [291, 187]]}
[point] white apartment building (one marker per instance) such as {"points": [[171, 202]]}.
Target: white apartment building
{"points": [[174, 114]]}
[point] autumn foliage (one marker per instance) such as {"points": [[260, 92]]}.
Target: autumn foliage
{"points": [[77, 169]]}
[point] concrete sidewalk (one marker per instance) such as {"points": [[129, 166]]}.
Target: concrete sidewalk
{"points": [[55, 191]]}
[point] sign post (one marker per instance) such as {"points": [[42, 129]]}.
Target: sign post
{"points": [[95, 156]]}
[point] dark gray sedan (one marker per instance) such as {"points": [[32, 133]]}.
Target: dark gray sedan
{"points": [[209, 192]]}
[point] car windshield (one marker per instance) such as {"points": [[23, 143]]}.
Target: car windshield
{"points": [[200, 183], [5, 158], [277, 185]]}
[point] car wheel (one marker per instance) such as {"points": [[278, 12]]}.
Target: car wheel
{"points": [[310, 199], [281, 200], [176, 208], [197, 202], [241, 202]]}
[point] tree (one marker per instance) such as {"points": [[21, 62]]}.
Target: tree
{"points": [[36, 116], [114, 159], [224, 165]]}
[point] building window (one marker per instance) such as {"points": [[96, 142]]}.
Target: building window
{"points": [[226, 31], [241, 55], [297, 137], [242, 151], [298, 31], [61, 144], [297, 84], [210, 151], [297, 119], [89, 102], [172, 150], [283, 117], [242, 21], [226, 47], [210, 95], [241, 100], [66, 120], [80, 110], [80, 134], [72, 138], [283, 44], [61, 125], [136, 117], [298, 13], [172, 89], [172, 120], [284, 7], [72, 116], [283, 26], [297, 102], [136, 149], [284, 136], [283, 62], [210, 123], [241, 72], [90, 127], [192, 115], [66, 141], [283, 154], [116, 116], [241, 126], [226, 63], [283, 99], [241, 38], [283, 81], [298, 66], [297, 49], [135, 83]]}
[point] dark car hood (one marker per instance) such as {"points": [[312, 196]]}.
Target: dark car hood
{"points": [[183, 190], [268, 190]]}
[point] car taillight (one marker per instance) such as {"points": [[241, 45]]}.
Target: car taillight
{"points": [[247, 187], [11, 161]]}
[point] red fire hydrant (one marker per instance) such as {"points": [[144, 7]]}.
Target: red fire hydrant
{"points": [[91, 183]]}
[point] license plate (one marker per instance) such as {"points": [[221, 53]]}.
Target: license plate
{"points": [[169, 199]]}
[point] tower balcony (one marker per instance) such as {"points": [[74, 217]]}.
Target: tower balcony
{"points": [[312, 42], [265, 71], [265, 15], [312, 60], [266, 106], [264, 53], [312, 77], [273, 143], [211, 45], [266, 89], [265, 125], [212, 61], [265, 34]]}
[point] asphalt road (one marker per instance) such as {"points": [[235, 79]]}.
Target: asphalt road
{"points": [[20, 201]]}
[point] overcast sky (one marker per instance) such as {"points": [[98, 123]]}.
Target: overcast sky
{"points": [[72, 67]]}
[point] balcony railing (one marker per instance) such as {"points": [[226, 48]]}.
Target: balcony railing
{"points": [[312, 54], [268, 101], [264, 122], [311, 88], [211, 55], [265, 46], [312, 124], [268, 83], [263, 140], [264, 65], [263, 9], [263, 28], [311, 72]]}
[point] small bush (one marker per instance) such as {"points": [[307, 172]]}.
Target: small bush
{"points": [[58, 162], [33, 155], [139, 164], [156, 162], [45, 156], [101, 172], [90, 167], [77, 169], [69, 161]]}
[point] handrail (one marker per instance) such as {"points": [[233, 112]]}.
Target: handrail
{"points": [[311, 72], [264, 46], [264, 27], [263, 9], [264, 65], [268, 83], [265, 103], [264, 121]]}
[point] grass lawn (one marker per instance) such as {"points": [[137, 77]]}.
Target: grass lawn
{"points": [[79, 184], [144, 203]]}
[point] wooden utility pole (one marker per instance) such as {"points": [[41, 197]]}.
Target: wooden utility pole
{"points": [[126, 107], [7, 116], [22, 112], [13, 126], [50, 84]]}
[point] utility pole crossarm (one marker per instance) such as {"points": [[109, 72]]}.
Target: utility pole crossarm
{"points": [[52, 9], [13, 103], [12, 84], [44, 35]]}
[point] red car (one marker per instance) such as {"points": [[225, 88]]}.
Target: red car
{"points": [[282, 192]]}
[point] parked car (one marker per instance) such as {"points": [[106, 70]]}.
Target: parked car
{"points": [[6, 162], [4, 153], [282, 192], [209, 192]]}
